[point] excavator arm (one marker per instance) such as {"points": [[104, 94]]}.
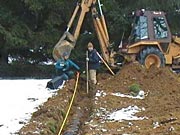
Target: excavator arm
{"points": [[68, 40]]}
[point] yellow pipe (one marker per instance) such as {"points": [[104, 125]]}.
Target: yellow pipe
{"points": [[72, 99]]}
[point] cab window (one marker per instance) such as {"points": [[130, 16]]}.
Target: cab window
{"points": [[140, 30], [160, 28]]}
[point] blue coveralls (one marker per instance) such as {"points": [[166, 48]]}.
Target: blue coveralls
{"points": [[65, 68]]}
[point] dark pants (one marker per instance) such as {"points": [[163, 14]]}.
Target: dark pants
{"points": [[66, 75]]}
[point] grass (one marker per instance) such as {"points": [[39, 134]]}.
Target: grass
{"points": [[52, 126], [134, 88]]}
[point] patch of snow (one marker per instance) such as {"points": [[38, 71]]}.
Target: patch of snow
{"points": [[31, 50], [18, 100], [48, 62], [178, 10], [104, 130], [171, 128], [141, 95], [125, 114], [130, 123], [155, 124], [10, 59], [100, 93]]}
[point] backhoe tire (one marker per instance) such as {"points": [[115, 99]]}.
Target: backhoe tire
{"points": [[151, 56]]}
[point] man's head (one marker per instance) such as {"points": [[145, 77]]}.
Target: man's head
{"points": [[65, 55], [90, 46]]}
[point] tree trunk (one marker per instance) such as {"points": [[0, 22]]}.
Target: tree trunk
{"points": [[3, 51], [3, 56]]}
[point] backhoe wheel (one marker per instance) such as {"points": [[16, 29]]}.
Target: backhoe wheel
{"points": [[151, 56]]}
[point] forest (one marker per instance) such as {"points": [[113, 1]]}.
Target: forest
{"points": [[29, 29]]}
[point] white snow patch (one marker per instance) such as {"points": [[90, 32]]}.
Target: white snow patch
{"points": [[48, 62], [18, 100], [125, 114], [141, 95], [155, 124], [100, 93]]}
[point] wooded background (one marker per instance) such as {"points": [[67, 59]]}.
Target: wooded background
{"points": [[29, 29]]}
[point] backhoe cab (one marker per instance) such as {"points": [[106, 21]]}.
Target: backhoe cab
{"points": [[151, 42]]}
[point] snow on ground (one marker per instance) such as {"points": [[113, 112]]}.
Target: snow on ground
{"points": [[126, 114], [140, 95], [18, 100]]}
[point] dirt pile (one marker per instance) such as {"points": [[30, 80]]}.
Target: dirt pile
{"points": [[152, 79], [160, 107], [161, 104]]}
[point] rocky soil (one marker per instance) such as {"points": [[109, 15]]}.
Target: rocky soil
{"points": [[159, 109]]}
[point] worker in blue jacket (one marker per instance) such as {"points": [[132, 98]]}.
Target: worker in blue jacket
{"points": [[65, 67], [93, 62]]}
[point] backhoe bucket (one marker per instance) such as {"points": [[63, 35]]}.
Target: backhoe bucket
{"points": [[65, 44]]}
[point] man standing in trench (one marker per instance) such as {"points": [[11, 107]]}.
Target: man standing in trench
{"points": [[93, 63]]}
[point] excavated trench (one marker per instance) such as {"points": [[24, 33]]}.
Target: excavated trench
{"points": [[49, 117], [79, 116], [74, 126], [82, 107], [81, 110], [160, 106]]}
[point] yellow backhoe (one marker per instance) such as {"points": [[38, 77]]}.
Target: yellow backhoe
{"points": [[150, 41], [68, 40]]}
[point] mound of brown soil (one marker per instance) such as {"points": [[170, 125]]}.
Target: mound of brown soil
{"points": [[153, 79], [161, 103]]}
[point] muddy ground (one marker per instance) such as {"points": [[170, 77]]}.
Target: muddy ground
{"points": [[160, 108]]}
